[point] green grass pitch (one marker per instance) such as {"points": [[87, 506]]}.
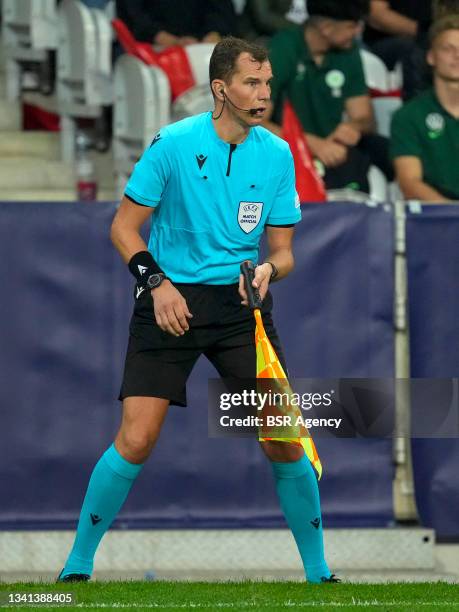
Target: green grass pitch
{"points": [[242, 596]]}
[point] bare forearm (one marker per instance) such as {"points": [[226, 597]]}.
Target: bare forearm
{"points": [[418, 190], [127, 242], [165, 39], [389, 21], [365, 125], [283, 260], [314, 142]]}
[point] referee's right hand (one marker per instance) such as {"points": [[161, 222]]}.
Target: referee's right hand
{"points": [[171, 310]]}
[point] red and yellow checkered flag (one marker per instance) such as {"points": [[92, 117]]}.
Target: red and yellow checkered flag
{"points": [[269, 367]]}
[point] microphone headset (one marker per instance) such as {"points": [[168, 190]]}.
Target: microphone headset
{"points": [[251, 111]]}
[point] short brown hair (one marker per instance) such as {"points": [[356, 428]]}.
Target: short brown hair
{"points": [[224, 57], [448, 22]]}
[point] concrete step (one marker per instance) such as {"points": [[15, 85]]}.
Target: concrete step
{"points": [[213, 551], [31, 173], [25, 173], [42, 145], [10, 116]]}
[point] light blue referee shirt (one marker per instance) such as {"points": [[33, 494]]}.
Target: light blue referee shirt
{"points": [[212, 199]]}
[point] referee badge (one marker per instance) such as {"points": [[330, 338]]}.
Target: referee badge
{"points": [[249, 215]]}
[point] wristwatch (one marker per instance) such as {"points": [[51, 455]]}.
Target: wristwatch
{"points": [[154, 280], [275, 271]]}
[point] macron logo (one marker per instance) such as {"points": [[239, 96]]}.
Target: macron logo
{"points": [[201, 160], [139, 291], [95, 519]]}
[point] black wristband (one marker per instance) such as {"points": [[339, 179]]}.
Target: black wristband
{"points": [[142, 263], [275, 271]]}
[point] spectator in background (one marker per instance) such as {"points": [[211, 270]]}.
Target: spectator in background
{"points": [[177, 22], [262, 19], [397, 32], [319, 69], [425, 132]]}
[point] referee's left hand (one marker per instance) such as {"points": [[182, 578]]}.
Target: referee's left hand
{"points": [[260, 282]]}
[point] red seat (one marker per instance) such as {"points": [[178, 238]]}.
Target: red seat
{"points": [[143, 51], [309, 185], [173, 60]]}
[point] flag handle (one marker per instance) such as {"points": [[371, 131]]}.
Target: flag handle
{"points": [[248, 272]]}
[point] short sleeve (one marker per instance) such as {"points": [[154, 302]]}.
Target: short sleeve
{"points": [[404, 139], [151, 173], [355, 77], [286, 206]]}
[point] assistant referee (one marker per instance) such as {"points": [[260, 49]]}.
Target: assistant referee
{"points": [[215, 182]]}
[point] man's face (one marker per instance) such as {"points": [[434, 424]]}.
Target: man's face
{"points": [[340, 34], [249, 89], [444, 56]]}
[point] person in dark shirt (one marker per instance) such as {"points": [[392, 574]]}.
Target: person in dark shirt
{"points": [[397, 32], [181, 22], [262, 19], [395, 18]]}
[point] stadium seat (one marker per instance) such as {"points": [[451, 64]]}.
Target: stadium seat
{"points": [[110, 10], [199, 57], [28, 33], [84, 73], [173, 60], [309, 185], [384, 108], [378, 185], [396, 77], [385, 90], [197, 99], [141, 108], [375, 71], [395, 193], [187, 70], [143, 51]]}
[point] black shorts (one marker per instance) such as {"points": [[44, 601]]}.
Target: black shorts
{"points": [[159, 364]]}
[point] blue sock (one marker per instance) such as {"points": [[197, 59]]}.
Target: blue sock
{"points": [[108, 487], [298, 493]]}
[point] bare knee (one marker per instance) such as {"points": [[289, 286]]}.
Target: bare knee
{"points": [[140, 427], [134, 446], [282, 452]]}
